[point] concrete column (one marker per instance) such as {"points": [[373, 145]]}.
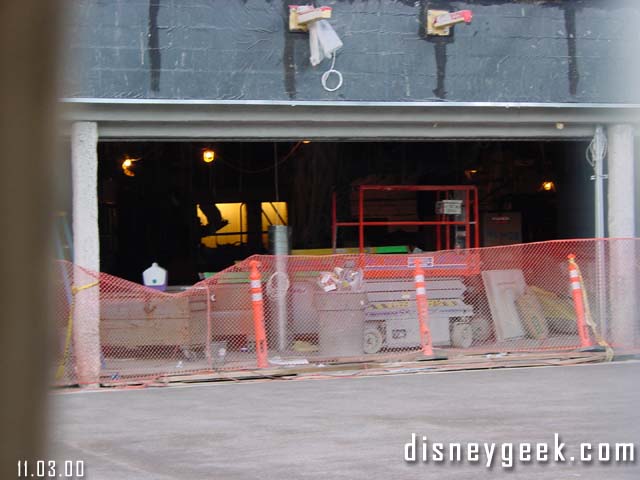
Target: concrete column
{"points": [[622, 271], [86, 246], [621, 182]]}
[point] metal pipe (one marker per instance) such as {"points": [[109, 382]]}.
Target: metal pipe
{"points": [[361, 217], [476, 222], [280, 247], [467, 227], [334, 222], [208, 342], [600, 233], [596, 154], [416, 188], [447, 229], [401, 223], [438, 227]]}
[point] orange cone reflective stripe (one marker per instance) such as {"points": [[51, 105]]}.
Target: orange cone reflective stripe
{"points": [[423, 309], [258, 314], [578, 302]]}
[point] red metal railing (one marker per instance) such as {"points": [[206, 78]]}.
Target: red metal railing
{"points": [[470, 222]]}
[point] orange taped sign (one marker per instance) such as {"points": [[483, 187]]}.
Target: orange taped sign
{"points": [[448, 19]]}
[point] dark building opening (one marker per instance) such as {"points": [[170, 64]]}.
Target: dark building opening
{"points": [[149, 204]]}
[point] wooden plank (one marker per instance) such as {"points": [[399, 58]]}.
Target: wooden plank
{"points": [[403, 363]]}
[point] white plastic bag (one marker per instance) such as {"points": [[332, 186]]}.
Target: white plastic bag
{"points": [[323, 41], [314, 46], [327, 38]]}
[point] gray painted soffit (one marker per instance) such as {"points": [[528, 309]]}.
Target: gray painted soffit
{"points": [[209, 119]]}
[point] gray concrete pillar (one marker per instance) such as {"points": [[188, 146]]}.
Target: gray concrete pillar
{"points": [[86, 246], [621, 182], [622, 270]]}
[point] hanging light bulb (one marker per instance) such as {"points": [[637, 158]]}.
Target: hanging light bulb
{"points": [[548, 186], [208, 155], [470, 173], [127, 163]]}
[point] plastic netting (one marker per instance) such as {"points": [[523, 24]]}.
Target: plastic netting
{"points": [[348, 308]]}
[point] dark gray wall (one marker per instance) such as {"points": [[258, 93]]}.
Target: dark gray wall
{"points": [[520, 51]]}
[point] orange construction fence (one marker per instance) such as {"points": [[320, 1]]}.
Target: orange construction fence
{"points": [[265, 313]]}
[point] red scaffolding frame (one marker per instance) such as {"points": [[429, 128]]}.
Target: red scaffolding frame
{"points": [[443, 192]]}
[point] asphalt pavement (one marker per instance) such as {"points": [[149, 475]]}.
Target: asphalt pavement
{"points": [[355, 428]]}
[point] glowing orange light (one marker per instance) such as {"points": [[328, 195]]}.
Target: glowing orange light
{"points": [[208, 155], [306, 141], [127, 163], [470, 173], [548, 186]]}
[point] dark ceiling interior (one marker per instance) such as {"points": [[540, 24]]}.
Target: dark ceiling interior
{"points": [[152, 216]]}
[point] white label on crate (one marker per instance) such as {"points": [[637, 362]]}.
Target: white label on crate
{"points": [[425, 262]]}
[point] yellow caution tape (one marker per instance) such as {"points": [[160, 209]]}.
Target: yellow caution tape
{"points": [[67, 342]]}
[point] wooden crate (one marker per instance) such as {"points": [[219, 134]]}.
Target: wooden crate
{"points": [[131, 322]]}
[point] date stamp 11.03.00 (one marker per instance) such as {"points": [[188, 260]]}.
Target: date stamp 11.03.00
{"points": [[66, 469]]}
